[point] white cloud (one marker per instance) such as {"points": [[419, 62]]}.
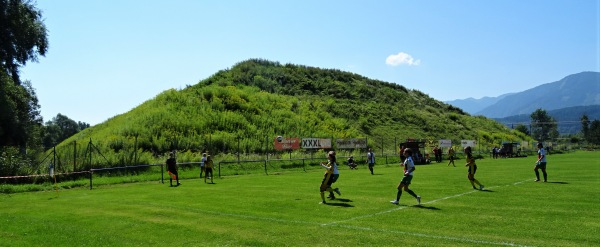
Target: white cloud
{"points": [[400, 59]]}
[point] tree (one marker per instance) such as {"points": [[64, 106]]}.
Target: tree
{"points": [[585, 127], [22, 38], [523, 129], [60, 128], [543, 126], [19, 113], [594, 132]]}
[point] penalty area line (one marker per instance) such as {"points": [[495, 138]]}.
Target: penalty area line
{"points": [[467, 240], [425, 203]]}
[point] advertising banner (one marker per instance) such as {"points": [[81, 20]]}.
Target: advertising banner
{"points": [[315, 143], [281, 143], [470, 143], [445, 143], [353, 143]]}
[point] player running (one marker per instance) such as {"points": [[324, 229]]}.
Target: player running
{"points": [[472, 168], [409, 167]]}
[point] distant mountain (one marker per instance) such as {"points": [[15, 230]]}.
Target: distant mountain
{"points": [[472, 105], [569, 119], [582, 89]]}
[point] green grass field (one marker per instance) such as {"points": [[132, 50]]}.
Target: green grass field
{"points": [[284, 210]]}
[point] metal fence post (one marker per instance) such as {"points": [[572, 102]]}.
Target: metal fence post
{"points": [[266, 173]]}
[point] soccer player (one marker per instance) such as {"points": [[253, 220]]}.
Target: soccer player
{"points": [[336, 174], [409, 167], [472, 168], [541, 163], [328, 176], [451, 156], [202, 162], [172, 169], [208, 169], [371, 160]]}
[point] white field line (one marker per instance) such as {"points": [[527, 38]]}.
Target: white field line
{"points": [[337, 223], [432, 236], [404, 207]]}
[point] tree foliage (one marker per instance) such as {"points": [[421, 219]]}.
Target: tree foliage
{"points": [[585, 127], [22, 38], [522, 128], [23, 35], [19, 114], [543, 126], [60, 128]]}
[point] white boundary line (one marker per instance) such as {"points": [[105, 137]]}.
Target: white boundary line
{"points": [[337, 223], [401, 208], [433, 236]]}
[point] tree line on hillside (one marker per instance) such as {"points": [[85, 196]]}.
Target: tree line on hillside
{"points": [[543, 127], [23, 135]]}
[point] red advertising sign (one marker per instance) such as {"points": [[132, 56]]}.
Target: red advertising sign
{"points": [[282, 143]]}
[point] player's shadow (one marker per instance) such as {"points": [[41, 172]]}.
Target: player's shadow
{"points": [[339, 204], [488, 190], [557, 182], [343, 200], [427, 207]]}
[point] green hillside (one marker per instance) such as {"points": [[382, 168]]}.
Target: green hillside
{"points": [[245, 107]]}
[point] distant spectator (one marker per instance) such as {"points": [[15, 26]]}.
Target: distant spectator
{"points": [[371, 160], [172, 169], [351, 163], [438, 155]]}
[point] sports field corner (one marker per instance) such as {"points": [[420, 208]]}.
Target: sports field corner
{"points": [[284, 209]]}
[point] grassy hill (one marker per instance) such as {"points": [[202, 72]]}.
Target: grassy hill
{"points": [[244, 107]]}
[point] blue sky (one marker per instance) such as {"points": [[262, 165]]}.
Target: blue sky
{"points": [[107, 57]]}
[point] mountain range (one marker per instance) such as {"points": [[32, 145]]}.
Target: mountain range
{"points": [[581, 89], [566, 100]]}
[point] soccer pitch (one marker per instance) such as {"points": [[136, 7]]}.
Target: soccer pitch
{"points": [[284, 209]]}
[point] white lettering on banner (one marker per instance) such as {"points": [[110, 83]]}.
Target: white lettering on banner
{"points": [[312, 143], [445, 143], [351, 143], [469, 143]]}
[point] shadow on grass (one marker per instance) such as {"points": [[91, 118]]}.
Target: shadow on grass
{"points": [[487, 190], [557, 182], [342, 200], [426, 207], [339, 204]]}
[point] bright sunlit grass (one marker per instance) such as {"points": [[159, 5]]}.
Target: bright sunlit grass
{"points": [[279, 210]]}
